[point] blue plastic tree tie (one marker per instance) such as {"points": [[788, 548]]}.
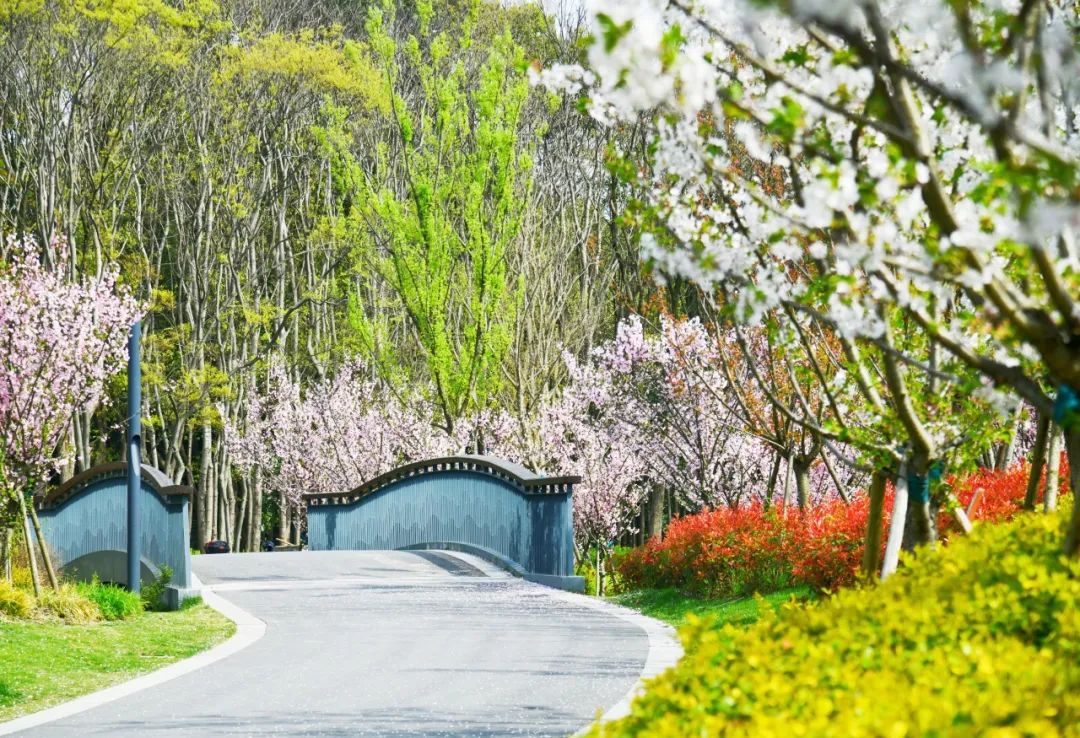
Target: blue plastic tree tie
{"points": [[919, 488], [1066, 406]]}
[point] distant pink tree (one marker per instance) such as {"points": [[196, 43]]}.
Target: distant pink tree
{"points": [[585, 433], [333, 436], [59, 343], [672, 390]]}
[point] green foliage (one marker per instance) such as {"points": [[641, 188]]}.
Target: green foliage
{"points": [[324, 62], [153, 592], [155, 30], [115, 603], [441, 237], [68, 604], [982, 638], [15, 602]]}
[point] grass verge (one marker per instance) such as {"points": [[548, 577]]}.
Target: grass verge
{"points": [[43, 664], [672, 606]]}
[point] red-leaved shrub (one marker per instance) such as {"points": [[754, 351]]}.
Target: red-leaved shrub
{"points": [[731, 553]]}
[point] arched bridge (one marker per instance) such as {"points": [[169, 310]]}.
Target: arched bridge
{"points": [[477, 504], [84, 521]]}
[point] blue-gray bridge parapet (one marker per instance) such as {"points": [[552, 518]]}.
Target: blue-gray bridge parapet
{"points": [[84, 521], [477, 504]]}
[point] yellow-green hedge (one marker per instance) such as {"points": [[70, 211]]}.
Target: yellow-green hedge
{"points": [[981, 639]]}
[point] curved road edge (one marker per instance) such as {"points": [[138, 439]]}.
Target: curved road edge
{"points": [[664, 651], [248, 630]]}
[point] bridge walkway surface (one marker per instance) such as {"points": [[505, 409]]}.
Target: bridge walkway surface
{"points": [[389, 643]]}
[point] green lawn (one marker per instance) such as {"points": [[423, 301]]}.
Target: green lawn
{"points": [[672, 607], [42, 664]]}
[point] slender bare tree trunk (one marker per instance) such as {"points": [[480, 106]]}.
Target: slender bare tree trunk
{"points": [[787, 484], [5, 552], [1053, 470], [242, 537], [42, 546], [770, 491], [257, 512], [656, 513], [896, 524], [802, 482], [207, 509], [283, 519], [872, 548], [35, 577], [1038, 461]]}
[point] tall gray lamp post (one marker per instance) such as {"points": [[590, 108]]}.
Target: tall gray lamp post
{"points": [[134, 465]]}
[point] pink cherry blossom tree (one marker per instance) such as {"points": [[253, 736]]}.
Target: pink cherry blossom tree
{"points": [[59, 343], [333, 435]]}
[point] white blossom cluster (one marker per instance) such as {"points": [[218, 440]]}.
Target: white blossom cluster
{"points": [[894, 152]]}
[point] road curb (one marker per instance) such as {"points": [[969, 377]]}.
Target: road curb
{"points": [[664, 650], [248, 630]]}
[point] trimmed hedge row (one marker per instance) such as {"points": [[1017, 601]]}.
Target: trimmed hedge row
{"points": [[981, 638], [733, 553]]}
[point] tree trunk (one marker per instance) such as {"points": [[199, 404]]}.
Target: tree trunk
{"points": [[35, 577], [206, 483], [770, 491], [283, 519], [5, 552], [655, 506], [872, 548], [896, 524], [920, 526], [801, 470], [1053, 470], [1038, 461], [257, 512], [42, 546], [241, 492], [787, 485], [1005, 452], [599, 570], [1072, 449]]}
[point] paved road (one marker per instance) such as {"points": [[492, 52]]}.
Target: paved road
{"points": [[387, 644]]}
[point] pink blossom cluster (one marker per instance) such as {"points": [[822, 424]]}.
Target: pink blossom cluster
{"points": [[59, 343], [334, 435]]}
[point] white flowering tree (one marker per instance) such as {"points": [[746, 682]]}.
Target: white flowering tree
{"points": [[872, 165]]}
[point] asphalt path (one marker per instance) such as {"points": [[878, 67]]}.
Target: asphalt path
{"points": [[387, 643]]}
